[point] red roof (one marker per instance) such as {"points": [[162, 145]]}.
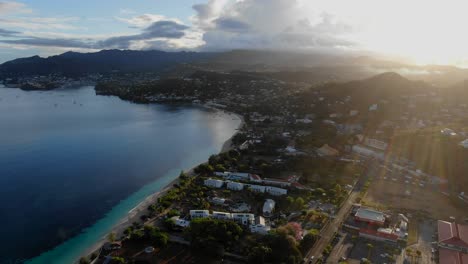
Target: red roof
{"points": [[453, 234], [447, 256]]}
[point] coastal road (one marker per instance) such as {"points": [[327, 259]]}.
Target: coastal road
{"points": [[326, 235]]}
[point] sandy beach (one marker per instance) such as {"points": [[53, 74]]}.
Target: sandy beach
{"points": [[141, 209]]}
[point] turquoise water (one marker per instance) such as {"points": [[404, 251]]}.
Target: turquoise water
{"points": [[73, 164]]}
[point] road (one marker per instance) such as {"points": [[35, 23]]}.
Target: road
{"points": [[326, 234]]}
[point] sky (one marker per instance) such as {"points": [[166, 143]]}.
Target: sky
{"points": [[422, 31]]}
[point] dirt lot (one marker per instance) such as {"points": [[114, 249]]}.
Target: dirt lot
{"points": [[395, 191]]}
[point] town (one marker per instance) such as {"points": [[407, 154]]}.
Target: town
{"points": [[321, 174]]}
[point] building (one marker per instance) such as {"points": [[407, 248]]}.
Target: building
{"points": [[182, 223], [361, 150], [214, 183], [375, 143], [373, 107], [277, 182], [453, 236], [194, 214], [268, 207], [275, 190], [221, 215], [259, 226], [381, 234], [370, 216], [244, 219], [464, 143], [448, 132], [239, 176], [326, 150], [218, 200], [235, 186], [453, 243], [257, 188]]}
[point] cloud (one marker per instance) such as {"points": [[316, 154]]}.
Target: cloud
{"points": [[231, 25], [8, 33], [160, 30], [10, 7], [270, 24]]}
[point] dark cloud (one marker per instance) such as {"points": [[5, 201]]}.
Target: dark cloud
{"points": [[8, 33], [231, 25], [159, 29]]}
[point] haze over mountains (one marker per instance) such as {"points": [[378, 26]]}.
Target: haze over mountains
{"points": [[288, 66]]}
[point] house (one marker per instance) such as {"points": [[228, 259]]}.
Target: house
{"points": [[326, 150], [257, 188], [453, 243], [221, 215], [243, 218], [268, 207], [353, 113], [275, 190], [194, 214], [218, 200], [235, 186], [259, 226], [182, 223], [213, 183]]}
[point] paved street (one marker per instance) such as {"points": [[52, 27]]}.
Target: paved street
{"points": [[327, 232]]}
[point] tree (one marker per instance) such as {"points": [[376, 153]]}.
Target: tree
{"points": [[111, 237], [308, 241], [258, 254], [84, 260], [299, 203], [118, 260], [209, 237]]}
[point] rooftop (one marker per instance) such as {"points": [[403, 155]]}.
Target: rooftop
{"points": [[447, 256], [453, 233], [371, 215]]}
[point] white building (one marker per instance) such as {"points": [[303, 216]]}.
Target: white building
{"points": [[235, 186], [257, 188], [213, 183], [259, 226], [464, 143], [180, 222], [268, 207], [217, 200], [244, 219], [373, 107], [221, 215], [233, 175], [275, 190], [199, 214]]}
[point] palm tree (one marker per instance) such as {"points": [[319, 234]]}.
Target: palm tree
{"points": [[111, 237], [369, 248]]}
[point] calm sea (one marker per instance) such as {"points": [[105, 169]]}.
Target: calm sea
{"points": [[73, 164]]}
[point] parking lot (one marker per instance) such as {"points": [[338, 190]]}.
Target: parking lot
{"points": [[398, 191], [426, 243], [380, 252]]}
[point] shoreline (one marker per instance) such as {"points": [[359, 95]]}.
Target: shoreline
{"points": [[141, 209]]}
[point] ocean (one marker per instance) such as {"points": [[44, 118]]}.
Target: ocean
{"points": [[73, 164]]}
